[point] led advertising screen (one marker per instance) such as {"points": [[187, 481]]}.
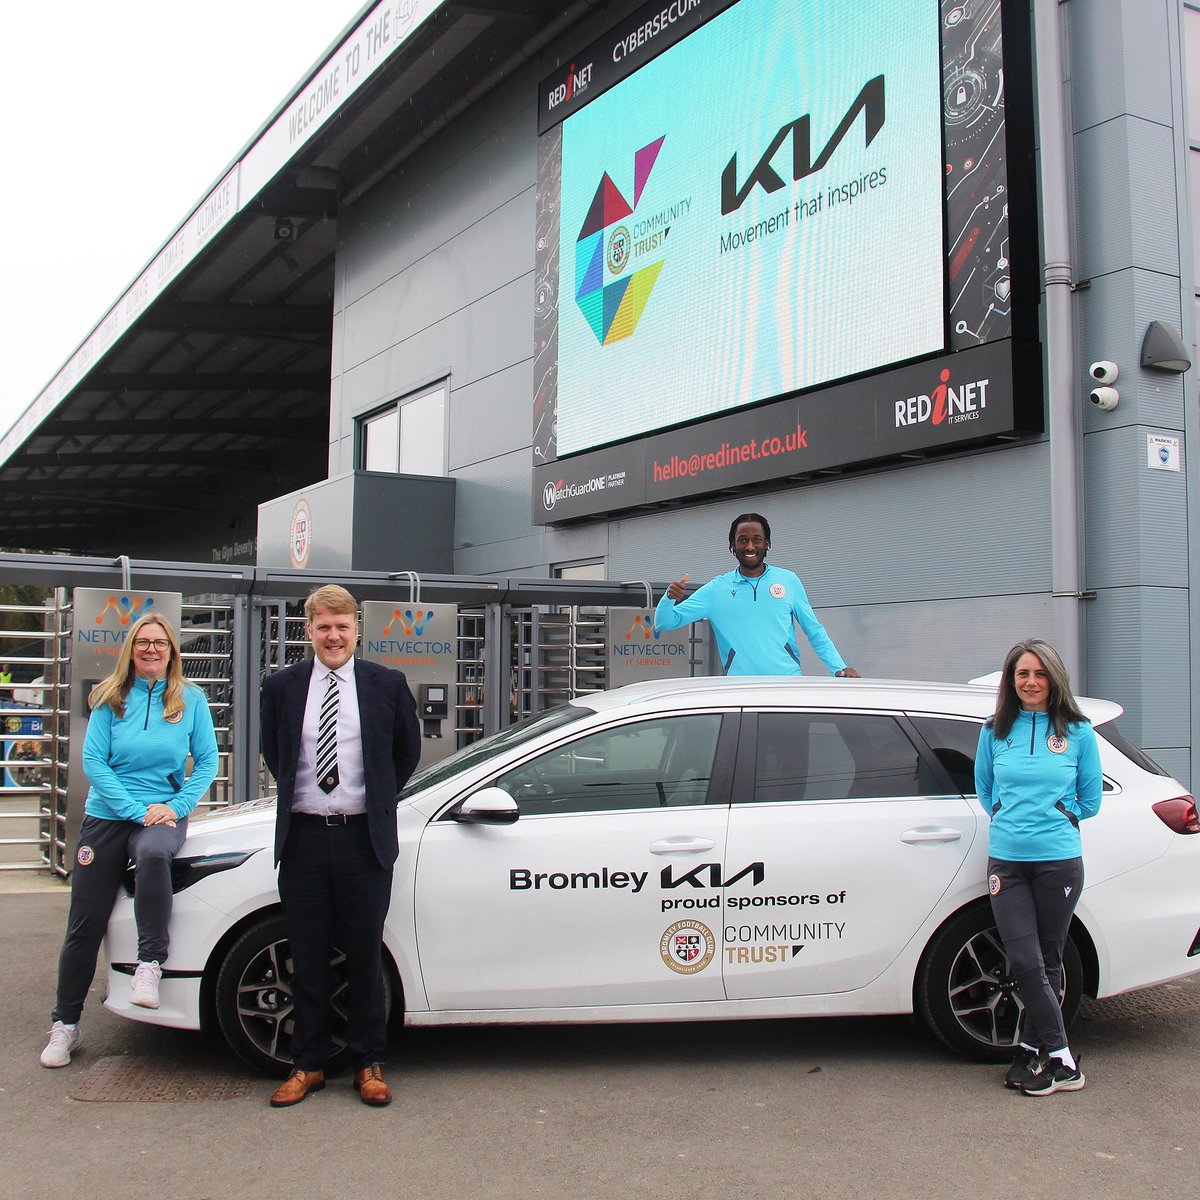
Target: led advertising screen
{"points": [[772, 233], [756, 211]]}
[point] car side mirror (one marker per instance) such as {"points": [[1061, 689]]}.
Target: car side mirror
{"points": [[490, 806]]}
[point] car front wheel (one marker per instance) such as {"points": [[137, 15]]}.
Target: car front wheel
{"points": [[254, 999], [966, 994]]}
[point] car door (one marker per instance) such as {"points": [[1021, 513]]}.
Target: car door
{"points": [[855, 833], [566, 907]]}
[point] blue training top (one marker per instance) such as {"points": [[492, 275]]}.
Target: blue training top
{"points": [[139, 759], [1037, 787], [753, 621]]}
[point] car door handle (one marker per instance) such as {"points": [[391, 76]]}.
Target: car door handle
{"points": [[682, 845], [912, 836]]}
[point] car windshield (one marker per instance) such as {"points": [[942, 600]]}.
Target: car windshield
{"points": [[497, 743], [1110, 733]]}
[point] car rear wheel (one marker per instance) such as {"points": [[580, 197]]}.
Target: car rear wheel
{"points": [[254, 999], [966, 994]]}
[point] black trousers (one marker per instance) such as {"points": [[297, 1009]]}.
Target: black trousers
{"points": [[1032, 903], [104, 852], [335, 894]]}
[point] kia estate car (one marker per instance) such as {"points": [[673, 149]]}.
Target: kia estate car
{"points": [[697, 850]]}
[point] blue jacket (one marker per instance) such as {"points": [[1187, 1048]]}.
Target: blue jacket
{"points": [[752, 620], [139, 759], [1037, 788]]}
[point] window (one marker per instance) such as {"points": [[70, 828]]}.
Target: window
{"points": [[954, 743], [663, 762], [836, 756], [408, 437]]}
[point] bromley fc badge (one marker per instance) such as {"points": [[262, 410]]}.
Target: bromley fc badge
{"points": [[687, 947]]}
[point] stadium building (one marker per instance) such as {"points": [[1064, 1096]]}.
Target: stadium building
{"points": [[560, 288]]}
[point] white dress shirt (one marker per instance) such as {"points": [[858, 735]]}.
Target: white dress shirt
{"points": [[350, 794]]}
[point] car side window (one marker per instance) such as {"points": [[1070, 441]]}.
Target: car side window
{"points": [[836, 756], [954, 743], [666, 761]]}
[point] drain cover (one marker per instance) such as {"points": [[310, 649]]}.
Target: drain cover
{"points": [[128, 1078], [1149, 1002]]}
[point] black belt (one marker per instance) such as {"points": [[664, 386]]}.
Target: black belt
{"points": [[331, 819]]}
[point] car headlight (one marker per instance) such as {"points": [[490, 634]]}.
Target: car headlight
{"points": [[187, 871]]}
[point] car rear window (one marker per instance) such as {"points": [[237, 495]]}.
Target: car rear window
{"points": [[1111, 734], [954, 742]]}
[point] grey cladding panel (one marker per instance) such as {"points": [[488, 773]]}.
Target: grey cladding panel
{"points": [[489, 336], [1136, 518], [1129, 37], [475, 263], [1137, 650], [455, 183], [491, 417], [493, 501], [948, 640], [1125, 194], [924, 532], [1113, 314]]}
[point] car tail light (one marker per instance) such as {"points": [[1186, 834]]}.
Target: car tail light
{"points": [[1179, 814]]}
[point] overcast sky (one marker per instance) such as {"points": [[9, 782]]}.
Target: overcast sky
{"points": [[117, 118]]}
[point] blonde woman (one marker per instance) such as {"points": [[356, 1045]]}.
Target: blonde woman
{"points": [[146, 719]]}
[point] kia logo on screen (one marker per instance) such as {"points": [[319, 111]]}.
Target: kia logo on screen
{"points": [[870, 102]]}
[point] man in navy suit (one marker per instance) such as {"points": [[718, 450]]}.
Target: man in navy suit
{"points": [[341, 737]]}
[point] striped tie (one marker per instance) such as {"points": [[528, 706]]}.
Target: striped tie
{"points": [[327, 756]]}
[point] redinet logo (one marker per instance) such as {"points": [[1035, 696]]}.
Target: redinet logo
{"points": [[576, 81], [945, 405]]}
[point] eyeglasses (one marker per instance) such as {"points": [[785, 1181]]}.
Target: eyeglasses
{"points": [[159, 644]]}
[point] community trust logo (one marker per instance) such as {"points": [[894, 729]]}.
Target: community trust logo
{"points": [[945, 404], [611, 301]]}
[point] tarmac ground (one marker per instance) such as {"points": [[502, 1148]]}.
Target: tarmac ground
{"points": [[829, 1108]]}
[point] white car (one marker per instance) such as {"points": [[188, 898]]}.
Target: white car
{"points": [[697, 849]]}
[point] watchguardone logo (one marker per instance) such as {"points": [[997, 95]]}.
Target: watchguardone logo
{"points": [[610, 295], [944, 404]]}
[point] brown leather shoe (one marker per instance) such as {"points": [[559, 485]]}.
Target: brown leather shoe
{"points": [[369, 1085], [296, 1086]]}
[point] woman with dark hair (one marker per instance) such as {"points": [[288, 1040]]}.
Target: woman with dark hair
{"points": [[1037, 773], [146, 720]]}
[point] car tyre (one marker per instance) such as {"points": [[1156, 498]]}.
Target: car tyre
{"points": [[254, 999], [965, 992]]}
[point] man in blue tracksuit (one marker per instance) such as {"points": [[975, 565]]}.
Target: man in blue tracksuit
{"points": [[753, 610]]}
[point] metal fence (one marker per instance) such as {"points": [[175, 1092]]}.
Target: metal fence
{"points": [[522, 646]]}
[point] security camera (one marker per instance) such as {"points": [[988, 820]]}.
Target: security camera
{"points": [[1103, 372], [1105, 398]]}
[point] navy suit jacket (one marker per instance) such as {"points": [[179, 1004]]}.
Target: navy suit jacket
{"points": [[391, 743]]}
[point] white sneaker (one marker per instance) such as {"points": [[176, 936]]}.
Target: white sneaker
{"points": [[145, 985], [62, 1044]]}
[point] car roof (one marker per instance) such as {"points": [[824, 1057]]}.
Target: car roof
{"points": [[909, 695]]}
